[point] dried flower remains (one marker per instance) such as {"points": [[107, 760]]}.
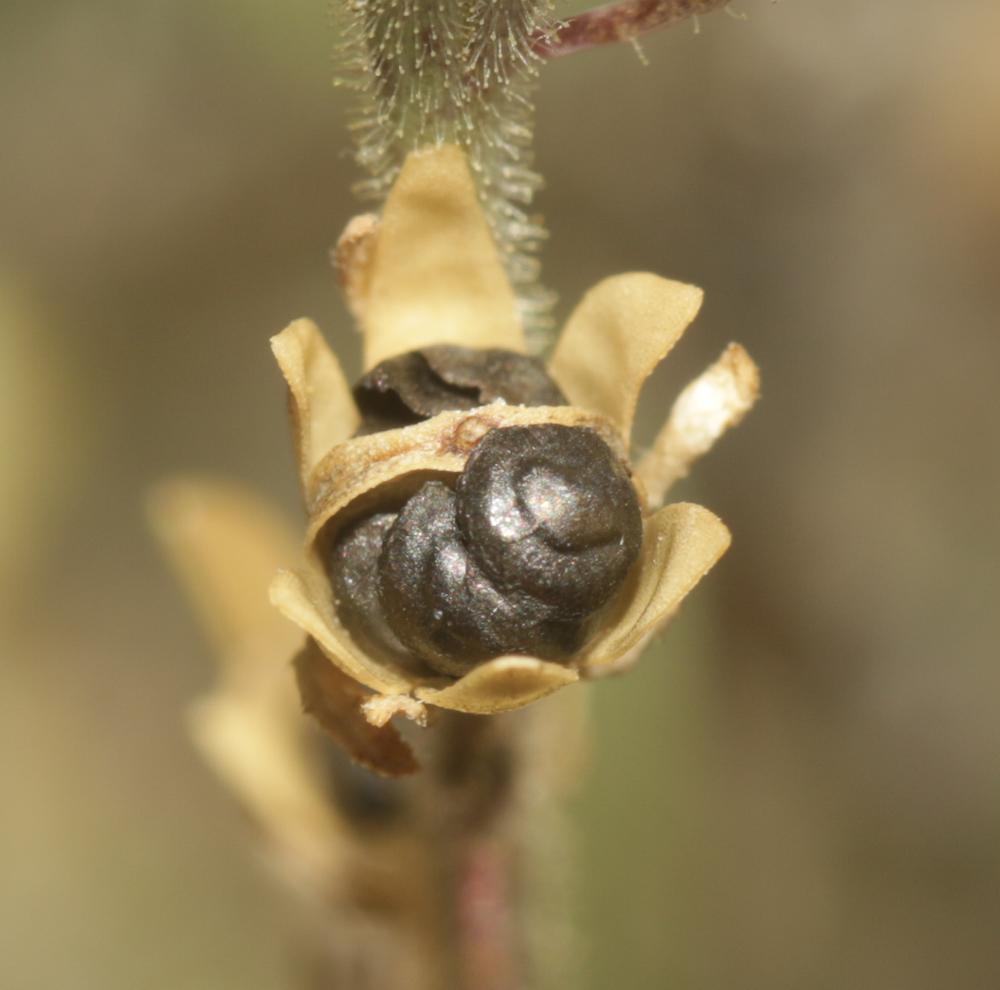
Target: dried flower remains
{"points": [[477, 537]]}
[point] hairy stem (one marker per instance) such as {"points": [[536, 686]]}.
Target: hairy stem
{"points": [[617, 22], [428, 72]]}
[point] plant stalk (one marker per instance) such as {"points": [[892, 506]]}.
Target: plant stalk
{"points": [[456, 890]]}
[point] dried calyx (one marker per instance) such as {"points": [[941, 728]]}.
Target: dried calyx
{"points": [[512, 556]]}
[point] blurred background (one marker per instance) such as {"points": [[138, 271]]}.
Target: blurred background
{"points": [[799, 787]]}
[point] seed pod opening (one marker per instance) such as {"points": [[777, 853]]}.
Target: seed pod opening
{"points": [[513, 557]]}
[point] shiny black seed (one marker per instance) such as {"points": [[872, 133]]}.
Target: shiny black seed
{"points": [[550, 511], [495, 374], [414, 386], [353, 569], [440, 603]]}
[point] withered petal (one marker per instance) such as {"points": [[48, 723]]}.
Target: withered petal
{"points": [[714, 402], [620, 331], [435, 276], [322, 407], [335, 701], [500, 685], [682, 542]]}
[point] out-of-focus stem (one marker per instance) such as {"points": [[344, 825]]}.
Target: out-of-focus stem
{"points": [[450, 878], [451, 890], [472, 816], [618, 22]]}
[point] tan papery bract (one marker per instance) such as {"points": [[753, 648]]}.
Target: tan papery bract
{"points": [[224, 544], [352, 259], [336, 701], [681, 544], [323, 412], [304, 597], [500, 685], [621, 330], [716, 401], [434, 276]]}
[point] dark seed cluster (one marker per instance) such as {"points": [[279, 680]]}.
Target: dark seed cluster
{"points": [[535, 535]]}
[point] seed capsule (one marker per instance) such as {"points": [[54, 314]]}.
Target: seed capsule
{"points": [[538, 532], [354, 577]]}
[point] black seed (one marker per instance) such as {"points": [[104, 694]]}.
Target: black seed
{"points": [[420, 384], [442, 606], [550, 512], [353, 570], [495, 374]]}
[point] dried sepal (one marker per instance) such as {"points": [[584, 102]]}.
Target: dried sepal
{"points": [[435, 276], [352, 259], [336, 701], [266, 764], [500, 685], [304, 598], [225, 544], [681, 544], [616, 336], [714, 402], [321, 405]]}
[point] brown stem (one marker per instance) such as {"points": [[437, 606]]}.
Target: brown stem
{"points": [[486, 939], [435, 897], [618, 22], [476, 778]]}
